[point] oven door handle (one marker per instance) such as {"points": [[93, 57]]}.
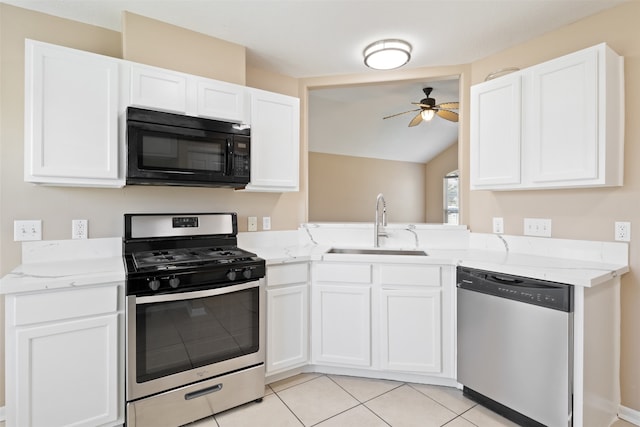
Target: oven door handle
{"points": [[181, 296]]}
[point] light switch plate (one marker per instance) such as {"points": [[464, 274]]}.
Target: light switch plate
{"points": [[266, 223], [27, 230]]}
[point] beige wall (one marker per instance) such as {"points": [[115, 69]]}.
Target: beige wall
{"points": [[436, 169], [587, 213], [157, 43], [344, 188]]}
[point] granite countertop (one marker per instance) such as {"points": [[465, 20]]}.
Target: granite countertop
{"points": [[64, 264], [57, 264], [63, 274], [562, 270], [579, 263]]}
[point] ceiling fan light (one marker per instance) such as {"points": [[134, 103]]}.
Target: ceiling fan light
{"points": [[427, 115], [387, 54]]}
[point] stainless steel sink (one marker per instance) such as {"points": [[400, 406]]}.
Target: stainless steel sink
{"points": [[376, 251]]}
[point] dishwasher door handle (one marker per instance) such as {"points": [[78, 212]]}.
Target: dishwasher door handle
{"points": [[506, 280]]}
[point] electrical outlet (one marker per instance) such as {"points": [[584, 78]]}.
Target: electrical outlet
{"points": [[27, 230], [498, 225], [623, 231], [79, 229], [252, 223], [540, 227], [266, 223]]}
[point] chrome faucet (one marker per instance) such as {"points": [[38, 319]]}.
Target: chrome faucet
{"points": [[377, 229]]}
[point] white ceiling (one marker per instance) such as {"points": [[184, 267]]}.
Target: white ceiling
{"points": [[307, 38]]}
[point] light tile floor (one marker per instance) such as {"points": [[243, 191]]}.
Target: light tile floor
{"points": [[336, 401], [339, 401]]}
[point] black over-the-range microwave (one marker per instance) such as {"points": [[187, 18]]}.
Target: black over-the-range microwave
{"points": [[173, 149]]}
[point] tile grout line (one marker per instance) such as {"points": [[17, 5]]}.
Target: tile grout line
{"points": [[285, 403], [295, 385], [364, 403], [361, 403], [375, 397], [441, 404]]}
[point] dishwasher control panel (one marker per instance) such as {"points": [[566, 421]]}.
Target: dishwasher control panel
{"points": [[557, 296]]}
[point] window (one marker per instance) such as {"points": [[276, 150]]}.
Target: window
{"points": [[451, 198]]}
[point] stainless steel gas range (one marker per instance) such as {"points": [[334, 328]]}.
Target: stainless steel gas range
{"points": [[194, 318]]}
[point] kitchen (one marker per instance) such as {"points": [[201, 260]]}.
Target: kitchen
{"points": [[584, 215]]}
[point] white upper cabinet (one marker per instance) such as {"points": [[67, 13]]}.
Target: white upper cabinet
{"points": [[158, 89], [571, 133], [75, 123], [496, 120], [220, 100], [275, 142], [176, 92], [71, 117]]}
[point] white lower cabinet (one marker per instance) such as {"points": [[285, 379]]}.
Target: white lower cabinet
{"points": [[384, 317], [342, 325], [410, 331], [287, 317], [63, 358]]}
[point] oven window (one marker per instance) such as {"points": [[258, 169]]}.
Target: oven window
{"points": [[164, 151], [177, 336]]}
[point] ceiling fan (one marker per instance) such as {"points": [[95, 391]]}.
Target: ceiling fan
{"points": [[428, 109]]}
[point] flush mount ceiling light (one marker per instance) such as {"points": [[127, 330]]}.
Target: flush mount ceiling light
{"points": [[387, 54]]}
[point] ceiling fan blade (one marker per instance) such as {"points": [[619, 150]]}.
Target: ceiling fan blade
{"points": [[416, 120], [449, 105], [449, 115], [404, 112], [422, 105]]}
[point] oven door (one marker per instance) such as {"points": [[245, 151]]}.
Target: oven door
{"points": [[182, 338]]}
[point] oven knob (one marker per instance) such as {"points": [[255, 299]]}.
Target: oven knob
{"points": [[231, 275], [174, 282], [247, 273], [154, 284]]}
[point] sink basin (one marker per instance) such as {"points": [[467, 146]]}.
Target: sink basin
{"points": [[376, 251]]}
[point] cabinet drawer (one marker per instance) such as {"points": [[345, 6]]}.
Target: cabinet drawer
{"points": [[59, 305], [423, 275], [344, 273], [287, 274]]}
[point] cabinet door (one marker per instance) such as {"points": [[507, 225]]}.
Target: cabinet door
{"points": [[495, 133], [411, 330], [158, 89], [564, 126], [275, 142], [67, 373], [342, 325], [287, 328], [221, 101], [71, 117]]}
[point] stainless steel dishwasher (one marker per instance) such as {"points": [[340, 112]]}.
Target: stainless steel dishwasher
{"points": [[515, 349]]}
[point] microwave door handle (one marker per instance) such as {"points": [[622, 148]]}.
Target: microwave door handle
{"points": [[229, 157]]}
